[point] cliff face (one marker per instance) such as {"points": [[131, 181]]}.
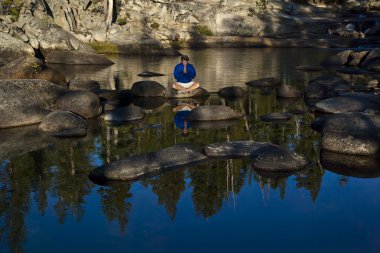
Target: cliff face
{"points": [[157, 26]]}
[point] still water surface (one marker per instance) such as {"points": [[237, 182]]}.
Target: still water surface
{"points": [[48, 204]]}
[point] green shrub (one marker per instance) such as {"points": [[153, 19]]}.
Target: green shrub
{"points": [[13, 7], [122, 21], [104, 47], [178, 44], [154, 25], [204, 30]]}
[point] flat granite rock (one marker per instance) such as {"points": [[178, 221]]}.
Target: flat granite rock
{"points": [[233, 149], [64, 124], [350, 102], [149, 164], [149, 74], [264, 82], [274, 158]]}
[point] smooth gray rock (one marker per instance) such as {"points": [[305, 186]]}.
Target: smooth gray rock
{"points": [[339, 59], [352, 133], [12, 48], [233, 149], [29, 67], [84, 103], [351, 165], [287, 91], [198, 92], [148, 89], [81, 84], [26, 102], [276, 116], [213, 112], [350, 102], [274, 158], [325, 87], [150, 164], [264, 82], [122, 114], [231, 92], [64, 124]]}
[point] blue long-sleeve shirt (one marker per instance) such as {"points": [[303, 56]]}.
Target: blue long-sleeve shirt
{"points": [[184, 77]]}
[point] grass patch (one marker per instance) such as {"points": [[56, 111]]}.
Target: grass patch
{"points": [[12, 7], [204, 30], [154, 25], [104, 47]]}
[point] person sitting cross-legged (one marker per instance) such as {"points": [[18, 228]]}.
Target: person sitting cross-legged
{"points": [[184, 73]]}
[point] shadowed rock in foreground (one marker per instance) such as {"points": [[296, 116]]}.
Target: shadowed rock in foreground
{"points": [[64, 124], [350, 102], [26, 102], [149, 164]]}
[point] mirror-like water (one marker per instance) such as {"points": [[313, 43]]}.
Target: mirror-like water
{"points": [[48, 204]]}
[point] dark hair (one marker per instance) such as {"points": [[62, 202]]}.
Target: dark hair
{"points": [[185, 58]]}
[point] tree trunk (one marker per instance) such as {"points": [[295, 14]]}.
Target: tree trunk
{"points": [[108, 10]]}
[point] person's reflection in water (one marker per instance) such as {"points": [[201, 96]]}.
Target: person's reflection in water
{"points": [[181, 115]]}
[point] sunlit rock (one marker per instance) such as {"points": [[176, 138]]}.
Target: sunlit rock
{"points": [[233, 149]]}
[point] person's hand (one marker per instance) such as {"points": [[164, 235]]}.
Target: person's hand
{"points": [[184, 66]]}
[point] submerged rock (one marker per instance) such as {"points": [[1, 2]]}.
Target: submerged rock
{"points": [[198, 92], [273, 158], [351, 102], [264, 82], [64, 124], [233, 149], [84, 103], [148, 89], [232, 92], [26, 102], [149, 74], [213, 112], [126, 113], [276, 116], [149, 164]]}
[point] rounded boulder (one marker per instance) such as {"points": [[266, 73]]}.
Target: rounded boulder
{"points": [[64, 124], [148, 89], [84, 103]]}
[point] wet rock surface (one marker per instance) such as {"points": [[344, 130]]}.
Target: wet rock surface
{"points": [[64, 124], [213, 112], [325, 87], [150, 164], [26, 102]]}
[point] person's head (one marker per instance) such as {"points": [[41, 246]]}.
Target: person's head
{"points": [[185, 58]]}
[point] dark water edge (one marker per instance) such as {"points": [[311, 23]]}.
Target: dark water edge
{"points": [[48, 203]]}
